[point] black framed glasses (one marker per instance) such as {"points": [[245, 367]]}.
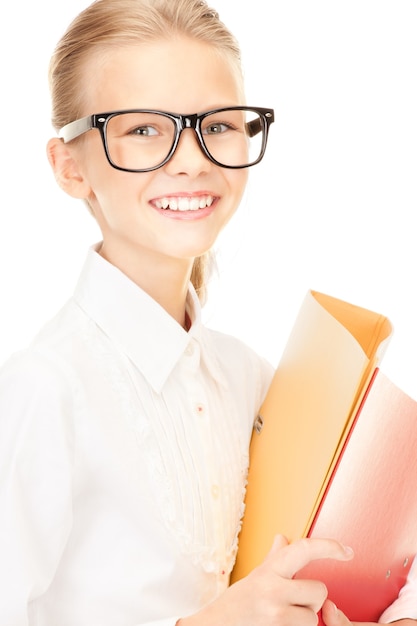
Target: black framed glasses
{"points": [[142, 140]]}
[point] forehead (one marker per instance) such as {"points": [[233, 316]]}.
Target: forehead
{"points": [[179, 75]]}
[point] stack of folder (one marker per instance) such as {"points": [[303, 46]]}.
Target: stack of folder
{"points": [[334, 454]]}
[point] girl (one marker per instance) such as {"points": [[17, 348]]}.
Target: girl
{"points": [[125, 425]]}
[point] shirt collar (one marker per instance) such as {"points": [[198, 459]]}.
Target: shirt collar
{"points": [[147, 334]]}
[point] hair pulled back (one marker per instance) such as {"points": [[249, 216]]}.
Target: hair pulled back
{"points": [[107, 23]]}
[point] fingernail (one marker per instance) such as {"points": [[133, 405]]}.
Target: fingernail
{"points": [[334, 607], [348, 551]]}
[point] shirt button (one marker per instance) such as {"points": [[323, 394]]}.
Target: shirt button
{"points": [[189, 350], [199, 409], [215, 491]]}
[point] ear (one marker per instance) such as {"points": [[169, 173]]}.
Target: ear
{"points": [[66, 169]]}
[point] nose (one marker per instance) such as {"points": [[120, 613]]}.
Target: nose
{"points": [[188, 157]]}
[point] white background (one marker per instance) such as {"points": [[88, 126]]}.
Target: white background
{"points": [[333, 207]]}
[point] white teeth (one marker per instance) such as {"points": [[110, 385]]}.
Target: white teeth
{"points": [[185, 204], [194, 204]]}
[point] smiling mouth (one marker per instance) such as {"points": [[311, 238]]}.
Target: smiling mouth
{"points": [[183, 203]]}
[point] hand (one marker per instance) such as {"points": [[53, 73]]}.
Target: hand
{"points": [[269, 596], [332, 616]]}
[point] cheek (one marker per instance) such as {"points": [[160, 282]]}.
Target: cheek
{"points": [[119, 197], [108, 186], [237, 181]]}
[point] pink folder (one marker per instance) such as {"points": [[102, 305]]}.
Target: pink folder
{"points": [[371, 504]]}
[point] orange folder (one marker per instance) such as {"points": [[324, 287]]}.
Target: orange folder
{"points": [[305, 430]]}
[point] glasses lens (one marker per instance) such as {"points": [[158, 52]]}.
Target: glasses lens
{"points": [[234, 137], [138, 141]]}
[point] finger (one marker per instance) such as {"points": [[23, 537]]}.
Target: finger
{"points": [[279, 542], [298, 615], [287, 559], [307, 593], [332, 616]]}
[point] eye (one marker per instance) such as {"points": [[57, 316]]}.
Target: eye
{"points": [[217, 128], [144, 131]]}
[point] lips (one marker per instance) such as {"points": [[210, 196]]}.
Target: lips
{"points": [[184, 203]]}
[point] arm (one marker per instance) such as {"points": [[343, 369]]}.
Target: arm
{"points": [[35, 502]]}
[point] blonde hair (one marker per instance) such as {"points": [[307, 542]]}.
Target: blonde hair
{"points": [[124, 22]]}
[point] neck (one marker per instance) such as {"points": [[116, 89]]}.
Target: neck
{"points": [[164, 279]]}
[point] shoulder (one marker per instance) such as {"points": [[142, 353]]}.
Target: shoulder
{"points": [[34, 387], [241, 363], [31, 368], [50, 356], [234, 348], [42, 374]]}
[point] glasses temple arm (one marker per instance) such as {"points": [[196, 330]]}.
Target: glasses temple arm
{"points": [[75, 129], [254, 127]]}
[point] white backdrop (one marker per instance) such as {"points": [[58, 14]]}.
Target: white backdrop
{"points": [[331, 208]]}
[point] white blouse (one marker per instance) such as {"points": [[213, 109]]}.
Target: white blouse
{"points": [[123, 460]]}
